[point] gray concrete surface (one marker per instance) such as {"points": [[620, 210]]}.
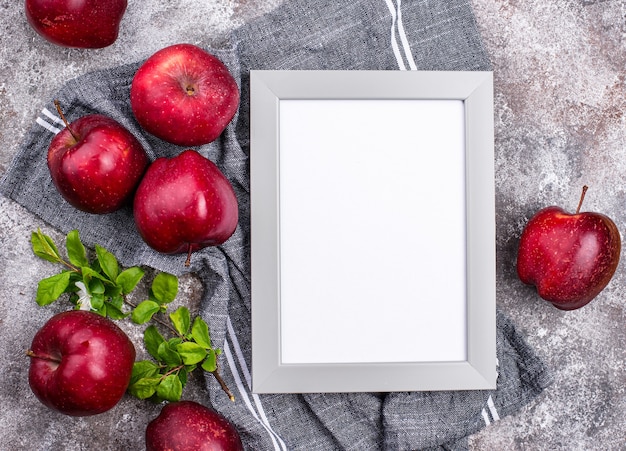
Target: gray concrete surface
{"points": [[560, 74]]}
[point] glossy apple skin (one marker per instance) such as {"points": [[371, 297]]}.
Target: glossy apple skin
{"points": [[76, 23], [99, 172], [185, 201], [94, 362], [570, 258], [189, 426], [184, 95]]}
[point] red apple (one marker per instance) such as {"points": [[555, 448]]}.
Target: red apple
{"points": [[76, 23], [81, 363], [189, 426], [95, 163], [570, 258], [185, 203], [184, 95]]}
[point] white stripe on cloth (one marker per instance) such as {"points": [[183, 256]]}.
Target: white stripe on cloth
{"points": [[244, 394], [248, 378], [492, 409], [47, 126], [52, 116], [405, 42], [242, 361], [394, 41], [398, 27], [495, 416], [486, 417]]}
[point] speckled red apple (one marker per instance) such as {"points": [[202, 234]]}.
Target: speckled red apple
{"points": [[76, 23], [190, 426], [184, 95], [570, 258], [96, 163], [80, 363], [185, 203]]}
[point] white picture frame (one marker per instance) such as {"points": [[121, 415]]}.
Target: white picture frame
{"points": [[372, 231]]}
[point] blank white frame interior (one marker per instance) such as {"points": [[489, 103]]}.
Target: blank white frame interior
{"points": [[373, 231]]}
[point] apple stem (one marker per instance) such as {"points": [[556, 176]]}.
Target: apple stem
{"points": [[582, 198], [222, 383], [57, 104], [188, 261], [31, 354]]}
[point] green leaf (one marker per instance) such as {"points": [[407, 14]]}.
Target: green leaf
{"points": [[114, 312], [164, 288], [50, 288], [75, 249], [90, 273], [144, 312], [175, 341], [168, 355], [108, 262], [74, 299], [153, 339], [210, 363], [200, 332], [145, 387], [114, 295], [74, 277], [181, 320], [95, 266], [100, 309], [143, 369], [129, 278], [97, 303], [96, 286], [191, 353], [183, 373], [170, 388], [44, 247]]}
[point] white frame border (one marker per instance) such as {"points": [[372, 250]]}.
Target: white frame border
{"points": [[475, 89]]}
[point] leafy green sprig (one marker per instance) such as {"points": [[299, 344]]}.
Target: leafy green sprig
{"points": [[176, 357], [100, 285]]}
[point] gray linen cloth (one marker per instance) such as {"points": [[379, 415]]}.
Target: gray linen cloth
{"points": [[299, 34]]}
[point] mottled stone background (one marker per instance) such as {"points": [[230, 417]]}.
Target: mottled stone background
{"points": [[560, 70]]}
